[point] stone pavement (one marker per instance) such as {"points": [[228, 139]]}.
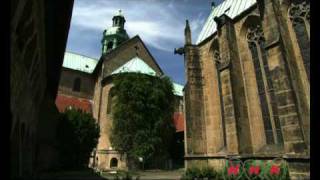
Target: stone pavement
{"points": [[154, 175], [89, 175]]}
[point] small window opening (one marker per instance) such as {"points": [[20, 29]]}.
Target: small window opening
{"points": [[114, 163], [76, 84]]}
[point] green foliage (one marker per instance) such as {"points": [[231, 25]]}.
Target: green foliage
{"points": [[193, 172], [77, 135], [283, 174], [126, 176], [142, 115], [205, 172], [208, 172]]}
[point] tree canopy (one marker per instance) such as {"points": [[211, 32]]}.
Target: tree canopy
{"points": [[142, 115], [77, 135]]}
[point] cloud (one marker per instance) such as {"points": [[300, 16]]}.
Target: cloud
{"points": [[158, 25]]}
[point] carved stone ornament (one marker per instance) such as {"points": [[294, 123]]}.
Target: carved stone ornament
{"points": [[299, 12], [221, 64], [255, 35]]}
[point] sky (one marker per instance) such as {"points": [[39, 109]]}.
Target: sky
{"points": [[159, 23]]}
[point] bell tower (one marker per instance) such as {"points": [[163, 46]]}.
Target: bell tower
{"points": [[115, 35]]}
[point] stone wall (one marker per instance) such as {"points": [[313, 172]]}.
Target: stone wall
{"points": [[126, 51], [67, 80], [254, 91], [27, 83], [33, 78], [104, 151]]}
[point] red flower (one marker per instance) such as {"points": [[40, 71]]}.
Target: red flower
{"points": [[254, 170], [274, 170], [233, 170]]}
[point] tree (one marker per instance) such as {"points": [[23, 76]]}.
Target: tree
{"points": [[142, 116], [77, 135]]}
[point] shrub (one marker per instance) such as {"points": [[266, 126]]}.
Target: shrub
{"points": [[205, 172], [208, 172], [126, 176], [142, 113], [276, 171], [77, 135]]}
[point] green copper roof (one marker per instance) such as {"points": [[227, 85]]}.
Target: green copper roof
{"points": [[119, 13], [231, 8], [112, 30], [135, 65], [178, 89], [138, 65], [116, 30], [79, 62]]}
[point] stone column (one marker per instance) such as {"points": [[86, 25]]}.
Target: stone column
{"points": [[195, 125], [280, 84], [223, 64]]}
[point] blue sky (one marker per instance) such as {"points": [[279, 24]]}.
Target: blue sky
{"points": [[159, 23]]}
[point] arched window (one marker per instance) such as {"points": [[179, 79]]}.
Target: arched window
{"points": [[270, 117], [76, 84], [109, 45], [114, 163], [299, 14]]}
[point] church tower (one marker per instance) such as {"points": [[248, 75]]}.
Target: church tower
{"points": [[115, 35]]}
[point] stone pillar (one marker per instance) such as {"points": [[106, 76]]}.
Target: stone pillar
{"points": [[294, 56], [195, 125], [280, 84], [223, 65]]}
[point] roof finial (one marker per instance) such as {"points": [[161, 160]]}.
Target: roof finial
{"points": [[187, 33], [213, 5], [119, 13]]}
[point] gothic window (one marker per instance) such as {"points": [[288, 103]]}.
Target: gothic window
{"points": [[109, 45], [299, 14], [256, 43], [76, 84]]}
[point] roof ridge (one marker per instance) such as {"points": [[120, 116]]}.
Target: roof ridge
{"points": [[76, 53], [231, 8]]}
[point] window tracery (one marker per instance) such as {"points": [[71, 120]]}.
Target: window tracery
{"points": [[256, 42], [299, 14]]}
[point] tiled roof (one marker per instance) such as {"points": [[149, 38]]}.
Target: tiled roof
{"points": [[178, 121], [79, 62], [231, 8], [63, 102]]}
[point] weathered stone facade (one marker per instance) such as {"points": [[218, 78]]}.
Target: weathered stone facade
{"points": [[247, 92], [67, 83], [103, 97], [36, 58], [96, 86]]}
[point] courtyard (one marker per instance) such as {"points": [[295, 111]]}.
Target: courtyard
{"points": [[88, 174]]}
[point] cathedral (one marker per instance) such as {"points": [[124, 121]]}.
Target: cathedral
{"points": [[247, 92], [86, 84]]}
